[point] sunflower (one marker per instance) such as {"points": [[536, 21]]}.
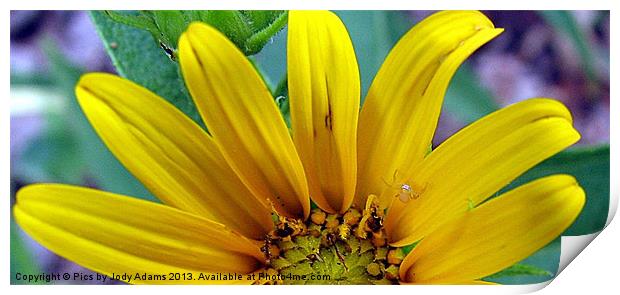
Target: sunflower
{"points": [[236, 201]]}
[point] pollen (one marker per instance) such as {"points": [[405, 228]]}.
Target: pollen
{"points": [[318, 216], [349, 248]]}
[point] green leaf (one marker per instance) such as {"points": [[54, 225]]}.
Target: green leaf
{"points": [[521, 270], [230, 22], [139, 59], [265, 25], [171, 24], [141, 21], [249, 30], [590, 165]]}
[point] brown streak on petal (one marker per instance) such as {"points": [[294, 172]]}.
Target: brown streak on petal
{"points": [[329, 116]]}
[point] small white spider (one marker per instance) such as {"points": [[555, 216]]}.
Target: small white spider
{"points": [[406, 192]]}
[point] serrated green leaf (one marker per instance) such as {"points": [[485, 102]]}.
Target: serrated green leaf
{"points": [[140, 21], [230, 22], [265, 25], [249, 30], [261, 19], [171, 24]]}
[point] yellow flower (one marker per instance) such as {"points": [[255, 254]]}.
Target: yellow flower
{"points": [[220, 189]]}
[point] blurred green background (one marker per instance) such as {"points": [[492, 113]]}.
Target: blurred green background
{"points": [[557, 54]]}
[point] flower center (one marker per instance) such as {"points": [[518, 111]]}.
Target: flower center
{"points": [[349, 248]]}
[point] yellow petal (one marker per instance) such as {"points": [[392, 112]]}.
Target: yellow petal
{"points": [[324, 87], [109, 233], [497, 234], [400, 113], [477, 282], [478, 161], [169, 153], [243, 119]]}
